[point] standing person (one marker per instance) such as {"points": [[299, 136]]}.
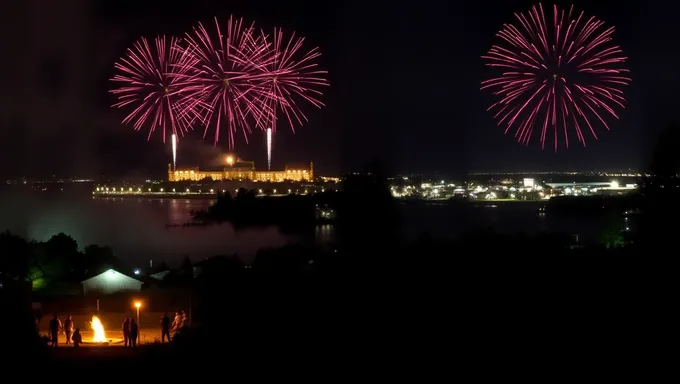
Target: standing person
{"points": [[126, 331], [68, 328], [177, 323], [184, 322], [55, 327], [134, 333], [77, 338], [165, 327]]}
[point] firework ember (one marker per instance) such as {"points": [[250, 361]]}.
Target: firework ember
{"points": [[559, 74]]}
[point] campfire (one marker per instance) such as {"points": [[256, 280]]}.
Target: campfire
{"points": [[98, 330]]}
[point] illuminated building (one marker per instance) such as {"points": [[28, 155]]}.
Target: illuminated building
{"points": [[111, 281], [240, 170]]}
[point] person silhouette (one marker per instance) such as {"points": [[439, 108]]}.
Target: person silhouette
{"points": [[77, 338], [55, 327], [165, 327], [126, 331], [68, 328], [183, 321], [134, 333], [177, 322]]}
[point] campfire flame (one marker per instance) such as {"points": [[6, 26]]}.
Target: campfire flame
{"points": [[98, 329]]}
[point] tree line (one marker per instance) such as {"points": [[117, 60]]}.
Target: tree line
{"points": [[46, 263]]}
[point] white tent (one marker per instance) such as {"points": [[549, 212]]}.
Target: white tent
{"points": [[111, 281]]}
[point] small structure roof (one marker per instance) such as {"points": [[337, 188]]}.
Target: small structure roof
{"points": [[111, 271]]}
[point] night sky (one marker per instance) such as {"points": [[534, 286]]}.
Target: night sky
{"points": [[404, 86]]}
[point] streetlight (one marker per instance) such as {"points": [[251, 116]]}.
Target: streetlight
{"points": [[138, 305]]}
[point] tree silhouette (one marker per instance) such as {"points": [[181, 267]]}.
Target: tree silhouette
{"points": [[611, 236], [62, 243], [54, 261], [665, 162], [186, 263], [245, 195], [15, 256], [63, 256], [661, 195], [368, 220], [162, 266], [98, 259], [184, 275]]}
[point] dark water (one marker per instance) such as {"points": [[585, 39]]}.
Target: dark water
{"points": [[450, 221], [136, 228]]}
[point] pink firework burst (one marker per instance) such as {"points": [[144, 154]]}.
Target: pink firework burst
{"points": [[148, 80], [224, 76], [556, 75], [289, 73]]}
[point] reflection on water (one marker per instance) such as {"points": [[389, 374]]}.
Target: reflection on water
{"points": [[451, 221], [178, 210], [324, 233], [134, 228]]}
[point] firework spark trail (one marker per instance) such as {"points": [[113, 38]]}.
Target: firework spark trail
{"points": [[288, 73], [226, 66], [555, 74], [269, 149], [174, 152], [148, 75]]}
